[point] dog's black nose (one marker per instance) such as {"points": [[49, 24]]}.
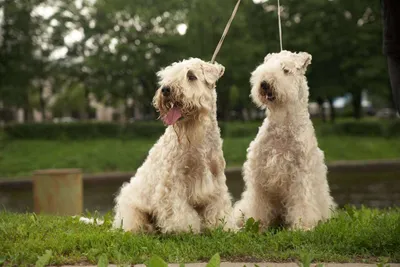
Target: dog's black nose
{"points": [[265, 86], [165, 90], [267, 90]]}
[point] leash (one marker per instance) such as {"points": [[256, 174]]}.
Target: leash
{"points": [[229, 24], [279, 24], [225, 32]]}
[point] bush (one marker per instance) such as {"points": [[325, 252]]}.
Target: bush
{"points": [[83, 130], [6, 115], [154, 129], [89, 130], [362, 128], [394, 129], [239, 129]]}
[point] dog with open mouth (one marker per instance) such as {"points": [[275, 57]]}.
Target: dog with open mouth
{"points": [[285, 174], [181, 185]]}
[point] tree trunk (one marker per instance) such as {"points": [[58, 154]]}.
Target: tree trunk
{"points": [[320, 102], [127, 111], [356, 101], [392, 105], [28, 116], [224, 110], [86, 110], [123, 118], [246, 114], [148, 111], [332, 110], [42, 104]]}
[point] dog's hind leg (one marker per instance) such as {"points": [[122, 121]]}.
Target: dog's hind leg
{"points": [[177, 217], [133, 220], [173, 213]]}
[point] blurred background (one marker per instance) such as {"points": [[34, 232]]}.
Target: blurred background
{"points": [[77, 78]]}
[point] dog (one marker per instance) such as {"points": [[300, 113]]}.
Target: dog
{"points": [[285, 174], [181, 185]]}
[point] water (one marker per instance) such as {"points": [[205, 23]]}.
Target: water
{"points": [[358, 187]]}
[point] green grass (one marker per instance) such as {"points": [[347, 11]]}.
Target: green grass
{"points": [[362, 235], [21, 157]]}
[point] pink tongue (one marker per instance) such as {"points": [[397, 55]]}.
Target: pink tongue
{"points": [[172, 116]]}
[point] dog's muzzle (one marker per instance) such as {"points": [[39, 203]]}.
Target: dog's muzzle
{"points": [[267, 91]]}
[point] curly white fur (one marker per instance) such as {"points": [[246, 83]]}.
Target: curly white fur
{"points": [[285, 174], [181, 185]]}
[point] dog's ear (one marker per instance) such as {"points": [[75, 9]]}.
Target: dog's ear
{"points": [[288, 66], [303, 60], [161, 74], [296, 62], [212, 72], [267, 57], [156, 100]]}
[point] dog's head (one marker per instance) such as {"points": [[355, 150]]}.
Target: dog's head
{"points": [[187, 90], [280, 80]]}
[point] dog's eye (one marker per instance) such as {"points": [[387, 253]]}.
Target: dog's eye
{"points": [[191, 77], [286, 71]]}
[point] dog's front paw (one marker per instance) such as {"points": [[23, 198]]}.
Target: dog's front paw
{"points": [[182, 225], [301, 228], [188, 228], [226, 223], [303, 225]]}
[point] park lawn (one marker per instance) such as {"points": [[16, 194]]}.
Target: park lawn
{"points": [[18, 158], [353, 235]]}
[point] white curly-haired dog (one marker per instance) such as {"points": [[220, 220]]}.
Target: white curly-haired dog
{"points": [[285, 174], [181, 186]]}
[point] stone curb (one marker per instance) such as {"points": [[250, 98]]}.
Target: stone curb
{"points": [[263, 264]]}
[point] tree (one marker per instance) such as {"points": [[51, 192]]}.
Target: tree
{"points": [[240, 53], [24, 64], [120, 45]]}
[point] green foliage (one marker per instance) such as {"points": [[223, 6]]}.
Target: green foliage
{"points": [[252, 226], [215, 261], [382, 264], [103, 261], [156, 261], [239, 129], [69, 101], [306, 260], [125, 43], [89, 130], [394, 129], [24, 62], [365, 235], [2, 260], [44, 259], [362, 128]]}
